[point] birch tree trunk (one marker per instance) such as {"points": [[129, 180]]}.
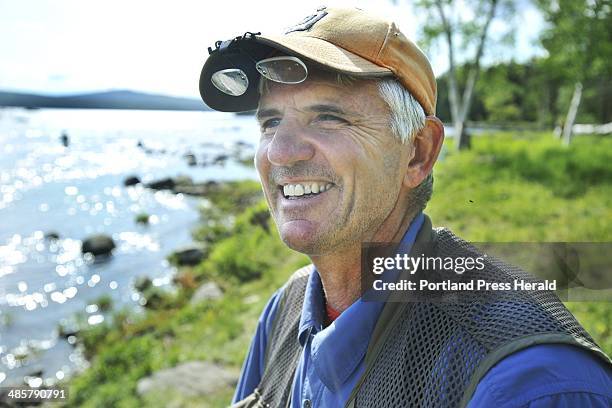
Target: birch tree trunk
{"points": [[571, 114], [460, 106]]}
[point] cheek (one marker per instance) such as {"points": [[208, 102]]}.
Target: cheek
{"points": [[261, 160], [342, 153], [262, 165]]}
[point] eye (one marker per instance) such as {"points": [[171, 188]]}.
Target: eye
{"points": [[326, 117], [270, 123]]}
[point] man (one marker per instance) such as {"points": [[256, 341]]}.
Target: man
{"points": [[349, 137]]}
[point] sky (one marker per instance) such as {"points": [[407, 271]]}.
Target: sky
{"points": [[71, 46]]}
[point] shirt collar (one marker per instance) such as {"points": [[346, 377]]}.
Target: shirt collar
{"points": [[338, 349]]}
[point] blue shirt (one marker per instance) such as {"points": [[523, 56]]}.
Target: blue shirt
{"points": [[332, 360]]}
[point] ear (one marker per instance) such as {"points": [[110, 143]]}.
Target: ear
{"points": [[426, 147]]}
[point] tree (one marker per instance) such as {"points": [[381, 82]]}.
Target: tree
{"points": [[448, 20], [579, 43]]}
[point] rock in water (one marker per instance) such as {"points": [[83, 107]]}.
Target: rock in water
{"points": [[162, 184], [220, 159], [191, 379], [52, 236], [99, 244], [189, 256], [191, 159], [170, 183], [209, 290], [131, 181], [65, 139]]}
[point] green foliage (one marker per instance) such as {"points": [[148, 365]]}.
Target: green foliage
{"points": [[224, 202], [578, 38], [250, 250], [578, 41], [114, 375], [158, 298], [235, 196], [104, 302], [529, 93]]}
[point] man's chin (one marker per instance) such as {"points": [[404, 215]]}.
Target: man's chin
{"points": [[300, 235]]}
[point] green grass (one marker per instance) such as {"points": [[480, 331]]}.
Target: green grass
{"points": [[507, 188], [526, 188]]}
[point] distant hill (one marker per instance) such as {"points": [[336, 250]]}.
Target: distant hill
{"points": [[103, 100]]}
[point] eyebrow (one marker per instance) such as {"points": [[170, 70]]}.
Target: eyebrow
{"points": [[319, 108], [265, 113]]}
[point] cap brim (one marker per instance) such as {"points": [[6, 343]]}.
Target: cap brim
{"points": [[316, 50], [325, 54]]}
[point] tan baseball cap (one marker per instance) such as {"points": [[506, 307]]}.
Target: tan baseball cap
{"points": [[345, 40]]}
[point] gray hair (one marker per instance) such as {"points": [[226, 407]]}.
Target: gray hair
{"points": [[407, 119]]}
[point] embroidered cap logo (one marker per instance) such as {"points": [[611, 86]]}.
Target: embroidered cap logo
{"points": [[307, 23]]}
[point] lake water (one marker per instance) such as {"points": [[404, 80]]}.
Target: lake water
{"points": [[77, 191]]}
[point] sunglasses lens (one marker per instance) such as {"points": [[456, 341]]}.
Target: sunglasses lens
{"points": [[286, 70], [232, 81]]}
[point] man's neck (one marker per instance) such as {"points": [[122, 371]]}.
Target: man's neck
{"points": [[340, 271]]}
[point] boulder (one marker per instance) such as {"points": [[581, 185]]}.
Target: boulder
{"points": [[191, 159], [162, 184], [208, 291], [99, 244], [65, 139], [131, 181], [52, 235], [220, 159], [189, 256], [191, 379], [171, 183]]}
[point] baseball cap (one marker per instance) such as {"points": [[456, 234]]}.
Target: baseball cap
{"points": [[345, 40]]}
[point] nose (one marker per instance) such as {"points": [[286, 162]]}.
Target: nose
{"points": [[289, 146]]}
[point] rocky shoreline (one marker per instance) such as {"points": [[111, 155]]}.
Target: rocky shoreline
{"points": [[229, 209]]}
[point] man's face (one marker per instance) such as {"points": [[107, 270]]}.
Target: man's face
{"points": [[320, 135]]}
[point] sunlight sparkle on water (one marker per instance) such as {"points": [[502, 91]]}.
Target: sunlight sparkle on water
{"points": [[95, 319], [134, 241]]}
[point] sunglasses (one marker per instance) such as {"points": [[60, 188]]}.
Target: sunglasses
{"points": [[284, 70]]}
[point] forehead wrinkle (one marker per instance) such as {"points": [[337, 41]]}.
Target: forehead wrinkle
{"points": [[320, 96], [321, 104]]}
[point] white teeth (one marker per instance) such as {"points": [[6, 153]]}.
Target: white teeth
{"points": [[297, 190]]}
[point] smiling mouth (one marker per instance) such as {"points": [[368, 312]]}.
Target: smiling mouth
{"points": [[304, 190]]}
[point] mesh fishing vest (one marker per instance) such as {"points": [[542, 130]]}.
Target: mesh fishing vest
{"points": [[427, 354]]}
